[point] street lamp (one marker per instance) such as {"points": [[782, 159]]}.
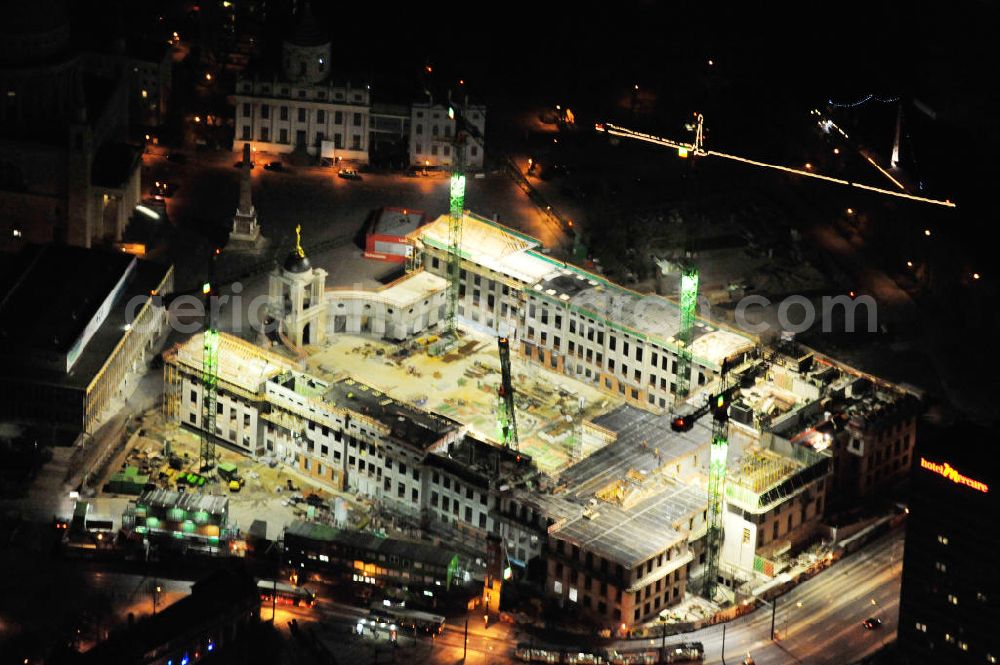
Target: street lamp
{"points": [[663, 636]]}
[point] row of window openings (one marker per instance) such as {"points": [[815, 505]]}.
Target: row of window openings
{"points": [[320, 94], [437, 116], [446, 152], [338, 140], [453, 506], [303, 114]]}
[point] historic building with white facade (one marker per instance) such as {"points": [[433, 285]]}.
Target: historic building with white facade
{"points": [[301, 106]]}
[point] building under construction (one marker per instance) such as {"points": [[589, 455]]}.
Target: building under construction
{"points": [[625, 529]]}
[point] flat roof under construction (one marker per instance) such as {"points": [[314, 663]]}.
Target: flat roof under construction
{"points": [[241, 363], [632, 535], [647, 314], [492, 245], [644, 443], [407, 423]]}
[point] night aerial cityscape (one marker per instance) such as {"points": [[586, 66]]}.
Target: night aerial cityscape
{"points": [[595, 333]]}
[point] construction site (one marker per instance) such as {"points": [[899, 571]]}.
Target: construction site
{"points": [[527, 414]]}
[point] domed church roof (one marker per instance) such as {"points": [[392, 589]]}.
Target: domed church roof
{"points": [[297, 262], [307, 31]]}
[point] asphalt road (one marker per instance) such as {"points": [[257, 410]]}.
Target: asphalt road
{"points": [[818, 622], [826, 627]]}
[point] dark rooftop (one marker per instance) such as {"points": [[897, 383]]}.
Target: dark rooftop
{"points": [[146, 277], [41, 309], [408, 424], [414, 551]]}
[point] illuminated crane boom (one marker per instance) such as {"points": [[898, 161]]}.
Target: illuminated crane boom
{"points": [[697, 149]]}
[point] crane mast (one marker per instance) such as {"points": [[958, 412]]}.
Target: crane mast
{"points": [[209, 373], [456, 208], [506, 417]]}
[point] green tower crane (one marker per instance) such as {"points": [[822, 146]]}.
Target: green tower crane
{"points": [[689, 309], [718, 404], [209, 373]]}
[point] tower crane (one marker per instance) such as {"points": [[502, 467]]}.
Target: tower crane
{"points": [[464, 132], [506, 417], [697, 149], [689, 274], [209, 372], [718, 405]]}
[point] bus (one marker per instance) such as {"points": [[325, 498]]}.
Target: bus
{"points": [[685, 652], [405, 618], [283, 593]]}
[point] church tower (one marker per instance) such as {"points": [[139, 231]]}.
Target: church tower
{"points": [[297, 297]]}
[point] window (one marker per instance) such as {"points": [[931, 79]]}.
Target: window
{"points": [[246, 133], [482, 522], [338, 117], [474, 151], [194, 397], [420, 148], [265, 111], [283, 136], [572, 594], [246, 110], [420, 129], [356, 142], [468, 515], [320, 115], [264, 134], [357, 119], [302, 115], [283, 112], [557, 587], [338, 141]]}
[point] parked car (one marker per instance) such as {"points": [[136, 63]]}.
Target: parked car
{"points": [[349, 174], [871, 623], [274, 166], [239, 164], [163, 190]]}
